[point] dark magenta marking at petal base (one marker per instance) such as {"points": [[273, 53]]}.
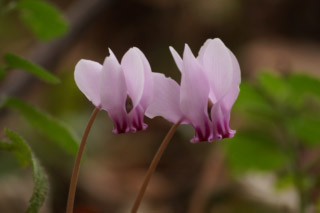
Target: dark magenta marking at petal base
{"points": [[137, 123], [201, 136], [225, 132], [120, 127]]}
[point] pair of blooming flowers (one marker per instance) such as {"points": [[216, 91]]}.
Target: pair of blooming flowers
{"points": [[208, 89]]}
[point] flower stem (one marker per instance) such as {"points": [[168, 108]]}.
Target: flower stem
{"points": [[75, 172], [153, 166]]}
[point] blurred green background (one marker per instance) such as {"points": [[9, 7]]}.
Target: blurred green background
{"points": [[272, 163]]}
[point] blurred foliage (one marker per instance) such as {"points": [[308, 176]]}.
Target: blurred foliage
{"points": [[282, 122], [273, 100], [49, 126], [304, 85], [19, 147], [45, 21], [255, 150], [14, 61]]}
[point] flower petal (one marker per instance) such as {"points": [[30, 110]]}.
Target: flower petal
{"points": [[166, 99], [135, 64], [133, 69], [220, 112], [86, 76], [202, 50], [218, 66], [194, 95], [229, 99], [236, 69], [176, 58], [147, 95], [114, 93], [220, 118]]}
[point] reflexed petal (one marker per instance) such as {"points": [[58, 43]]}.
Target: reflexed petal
{"points": [[220, 118], [194, 95], [202, 50], [236, 70], [114, 93], [86, 76], [166, 99], [229, 99], [217, 64], [220, 114], [135, 62], [147, 95], [194, 87], [133, 69], [176, 58], [113, 89]]}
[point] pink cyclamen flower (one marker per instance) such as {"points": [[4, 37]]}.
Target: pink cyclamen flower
{"points": [[109, 86], [208, 90]]}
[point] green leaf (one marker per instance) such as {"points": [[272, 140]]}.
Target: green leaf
{"points": [[25, 157], [304, 85], [254, 151], [49, 126], [16, 62], [42, 18], [274, 85], [251, 100], [20, 149], [6, 146], [253, 105], [306, 128]]}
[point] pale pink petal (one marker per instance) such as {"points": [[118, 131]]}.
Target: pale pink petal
{"points": [[221, 111], [229, 99], [166, 102], [231, 96], [133, 69], [236, 70], [113, 93], [194, 95], [147, 95], [217, 64], [220, 118], [176, 58], [86, 76], [140, 103], [202, 50]]}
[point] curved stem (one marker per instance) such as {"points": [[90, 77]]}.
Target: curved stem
{"points": [[75, 172], [153, 166]]}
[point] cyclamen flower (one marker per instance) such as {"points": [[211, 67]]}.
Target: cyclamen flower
{"points": [[208, 90], [110, 85]]}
